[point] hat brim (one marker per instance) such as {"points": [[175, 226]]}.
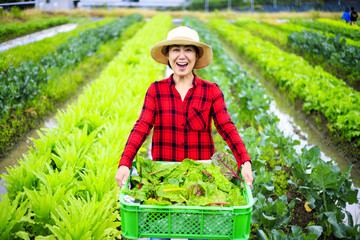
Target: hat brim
{"points": [[158, 52]]}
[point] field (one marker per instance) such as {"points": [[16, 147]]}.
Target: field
{"points": [[64, 187]]}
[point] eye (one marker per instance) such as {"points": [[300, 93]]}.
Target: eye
{"points": [[175, 49], [188, 49]]}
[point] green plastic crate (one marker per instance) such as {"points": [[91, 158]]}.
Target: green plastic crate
{"points": [[144, 221]]}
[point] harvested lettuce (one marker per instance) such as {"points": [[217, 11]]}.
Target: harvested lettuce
{"points": [[189, 183]]}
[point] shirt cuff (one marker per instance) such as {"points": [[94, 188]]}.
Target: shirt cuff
{"points": [[125, 162], [248, 160]]}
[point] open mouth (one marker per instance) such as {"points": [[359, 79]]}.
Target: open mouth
{"points": [[182, 66]]}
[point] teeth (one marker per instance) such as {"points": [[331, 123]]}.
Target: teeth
{"points": [[182, 64]]}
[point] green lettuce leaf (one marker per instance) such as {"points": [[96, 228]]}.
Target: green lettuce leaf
{"points": [[222, 182], [227, 164]]}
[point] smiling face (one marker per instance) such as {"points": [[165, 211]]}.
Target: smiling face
{"points": [[182, 59]]}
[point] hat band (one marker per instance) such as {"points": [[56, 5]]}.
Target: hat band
{"points": [[183, 38]]}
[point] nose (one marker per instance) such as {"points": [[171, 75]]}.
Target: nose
{"points": [[182, 53]]}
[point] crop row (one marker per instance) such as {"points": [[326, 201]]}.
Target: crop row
{"points": [[292, 27], [327, 50], [57, 81], [18, 85], [273, 155], [34, 51], [12, 30], [332, 26], [343, 58], [319, 91], [65, 189]]}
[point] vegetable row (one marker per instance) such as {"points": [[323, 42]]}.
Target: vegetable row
{"points": [[12, 30], [65, 189], [291, 27], [332, 26], [18, 85], [273, 156], [345, 59], [31, 91], [319, 91], [34, 51], [328, 50]]}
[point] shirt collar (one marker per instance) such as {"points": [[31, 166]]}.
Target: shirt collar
{"points": [[171, 80]]}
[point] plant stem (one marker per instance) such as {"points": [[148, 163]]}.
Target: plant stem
{"points": [[235, 199], [326, 223], [218, 203], [174, 189], [208, 174], [235, 175], [157, 171], [218, 198], [183, 198]]}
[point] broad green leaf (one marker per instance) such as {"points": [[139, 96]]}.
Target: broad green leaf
{"points": [[323, 177], [226, 163], [220, 180], [331, 218], [23, 235], [267, 220], [315, 230], [260, 234]]}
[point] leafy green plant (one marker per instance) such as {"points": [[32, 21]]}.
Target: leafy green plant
{"points": [[189, 183], [274, 214], [34, 51], [227, 164], [333, 26], [332, 50], [325, 96], [290, 28], [265, 31], [14, 214], [59, 87], [97, 126], [267, 146], [13, 30], [44, 202], [98, 222], [18, 85]]}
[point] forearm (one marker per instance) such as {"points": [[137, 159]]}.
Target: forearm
{"points": [[136, 138], [231, 136]]}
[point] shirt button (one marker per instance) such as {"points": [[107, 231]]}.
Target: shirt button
{"points": [[182, 106], [182, 144], [182, 124], [190, 90]]}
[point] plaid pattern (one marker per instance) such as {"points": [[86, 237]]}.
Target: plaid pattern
{"points": [[182, 129]]}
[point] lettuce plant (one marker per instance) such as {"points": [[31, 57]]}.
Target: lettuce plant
{"points": [[227, 165], [189, 183], [90, 133]]}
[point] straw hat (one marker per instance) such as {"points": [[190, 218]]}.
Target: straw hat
{"points": [[182, 36]]}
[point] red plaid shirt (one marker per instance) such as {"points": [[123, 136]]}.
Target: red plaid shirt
{"points": [[182, 129]]}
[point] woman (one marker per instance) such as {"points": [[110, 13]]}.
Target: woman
{"points": [[181, 108]]}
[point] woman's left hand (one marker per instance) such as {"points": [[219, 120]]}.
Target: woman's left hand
{"points": [[246, 173]]}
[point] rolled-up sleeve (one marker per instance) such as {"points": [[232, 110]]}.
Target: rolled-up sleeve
{"points": [[227, 128], [141, 129]]}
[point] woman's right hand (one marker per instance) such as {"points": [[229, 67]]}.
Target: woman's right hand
{"points": [[122, 175]]}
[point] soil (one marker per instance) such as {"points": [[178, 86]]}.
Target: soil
{"points": [[300, 217]]}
